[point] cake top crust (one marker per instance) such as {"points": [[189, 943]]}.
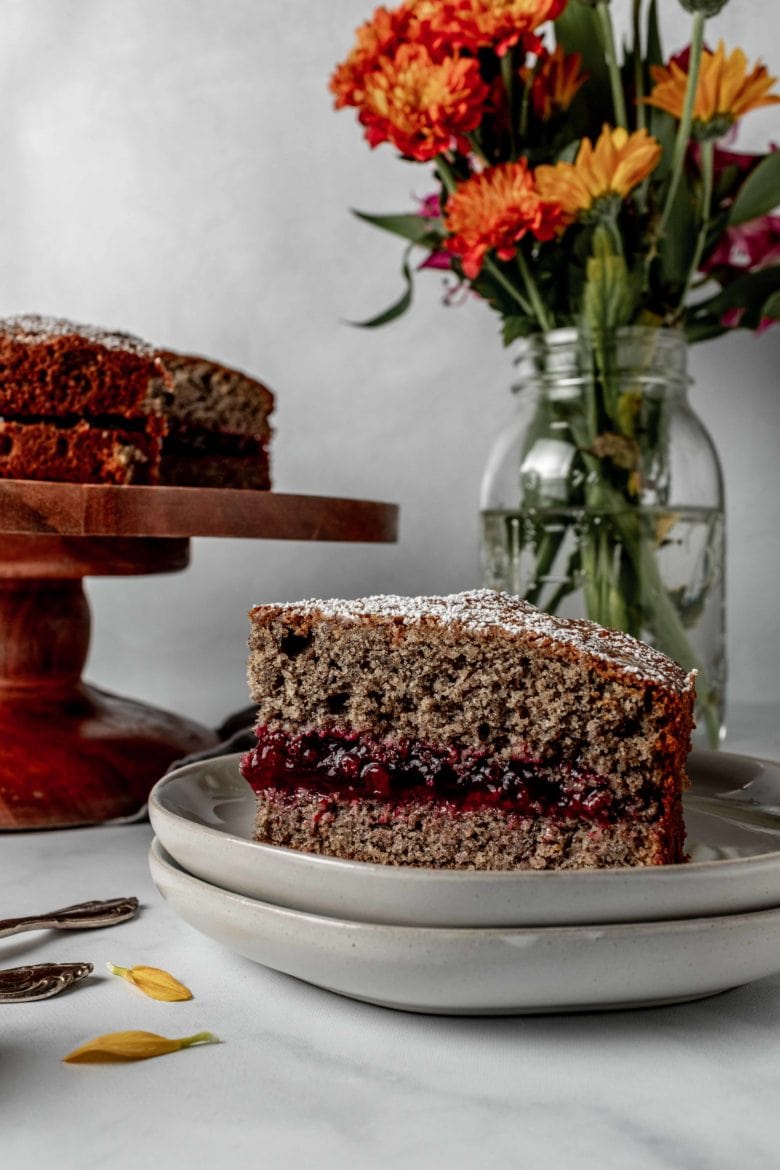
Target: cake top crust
{"points": [[488, 612], [32, 328]]}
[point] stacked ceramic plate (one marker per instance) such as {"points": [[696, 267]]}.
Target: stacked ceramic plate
{"points": [[485, 943]]}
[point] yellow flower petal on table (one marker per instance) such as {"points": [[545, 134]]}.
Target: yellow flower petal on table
{"points": [[152, 981], [119, 1047]]}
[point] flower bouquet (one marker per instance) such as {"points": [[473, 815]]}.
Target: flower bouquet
{"points": [[590, 198]]}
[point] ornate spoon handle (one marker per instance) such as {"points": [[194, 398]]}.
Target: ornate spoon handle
{"points": [[79, 917], [40, 981]]}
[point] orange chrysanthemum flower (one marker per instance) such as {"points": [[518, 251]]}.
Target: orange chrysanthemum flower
{"points": [[558, 76], [493, 211], [725, 90], [421, 105], [617, 163], [380, 36], [478, 24]]}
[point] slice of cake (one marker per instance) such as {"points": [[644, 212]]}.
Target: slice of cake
{"points": [[88, 405], [470, 731]]}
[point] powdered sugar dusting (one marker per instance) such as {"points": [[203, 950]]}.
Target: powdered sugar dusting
{"points": [[33, 328], [486, 609]]}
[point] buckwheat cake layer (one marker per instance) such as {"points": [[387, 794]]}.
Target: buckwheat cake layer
{"points": [[218, 426], [465, 731]]}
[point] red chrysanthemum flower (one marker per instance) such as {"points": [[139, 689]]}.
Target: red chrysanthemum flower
{"points": [[493, 211], [421, 105], [380, 36], [477, 24], [554, 82]]}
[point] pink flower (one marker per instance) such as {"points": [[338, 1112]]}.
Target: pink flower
{"points": [[743, 162], [430, 208], [747, 247], [437, 260]]}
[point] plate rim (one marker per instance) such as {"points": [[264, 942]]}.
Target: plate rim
{"points": [[158, 852]]}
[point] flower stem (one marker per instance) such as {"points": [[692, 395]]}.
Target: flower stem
{"points": [[686, 118], [477, 149], [610, 52], [508, 78], [497, 275], [444, 171], [533, 292], [533, 306], [639, 96], [639, 81], [707, 166]]}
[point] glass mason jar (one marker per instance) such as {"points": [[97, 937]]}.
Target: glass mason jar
{"points": [[604, 499]]}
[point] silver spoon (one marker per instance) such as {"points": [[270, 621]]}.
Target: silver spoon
{"points": [[40, 980], [82, 916]]}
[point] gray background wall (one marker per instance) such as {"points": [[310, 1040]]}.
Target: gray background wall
{"points": [[174, 167]]}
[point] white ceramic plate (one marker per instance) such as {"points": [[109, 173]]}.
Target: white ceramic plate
{"points": [[496, 971], [203, 815]]}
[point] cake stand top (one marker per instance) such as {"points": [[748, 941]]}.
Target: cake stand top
{"points": [[38, 508]]}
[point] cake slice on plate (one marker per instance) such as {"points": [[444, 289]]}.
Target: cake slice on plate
{"points": [[470, 731]]}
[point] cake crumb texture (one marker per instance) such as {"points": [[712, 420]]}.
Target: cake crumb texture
{"points": [[479, 670], [429, 835]]}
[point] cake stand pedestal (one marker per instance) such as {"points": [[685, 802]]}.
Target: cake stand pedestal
{"points": [[71, 753]]}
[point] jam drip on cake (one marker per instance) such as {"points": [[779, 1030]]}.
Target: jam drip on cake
{"points": [[350, 766]]}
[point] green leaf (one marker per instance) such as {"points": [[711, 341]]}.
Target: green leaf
{"points": [[608, 300], [654, 53], [746, 292], [420, 229], [704, 330], [516, 326], [760, 193], [755, 293], [678, 243], [578, 30], [771, 306], [663, 128], [395, 310]]}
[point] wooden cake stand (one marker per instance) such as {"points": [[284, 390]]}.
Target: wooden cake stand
{"points": [[71, 754]]}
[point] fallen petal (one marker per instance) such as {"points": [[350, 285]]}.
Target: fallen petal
{"points": [[154, 982], [117, 1047]]}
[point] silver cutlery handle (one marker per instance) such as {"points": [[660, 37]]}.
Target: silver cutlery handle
{"points": [[40, 980], [82, 916]]}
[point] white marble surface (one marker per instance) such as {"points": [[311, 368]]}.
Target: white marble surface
{"points": [[306, 1078]]}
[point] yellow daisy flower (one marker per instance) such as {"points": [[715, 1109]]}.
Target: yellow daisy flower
{"points": [[613, 167], [725, 89]]}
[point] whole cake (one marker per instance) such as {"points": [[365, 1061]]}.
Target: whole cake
{"points": [[470, 731], [88, 405]]}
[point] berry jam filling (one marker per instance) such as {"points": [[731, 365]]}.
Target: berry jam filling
{"points": [[352, 767]]}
